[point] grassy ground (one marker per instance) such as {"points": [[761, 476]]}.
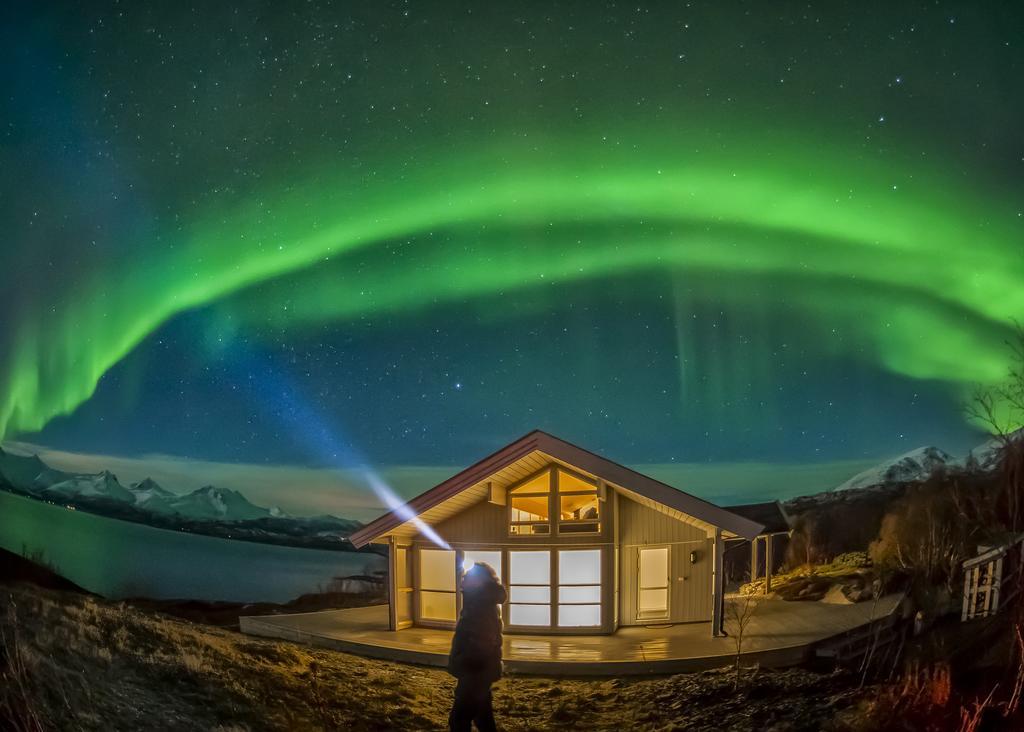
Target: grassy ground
{"points": [[77, 662]]}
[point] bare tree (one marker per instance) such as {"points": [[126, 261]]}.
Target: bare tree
{"points": [[1001, 409], [738, 614]]}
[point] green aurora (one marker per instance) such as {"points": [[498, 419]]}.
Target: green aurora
{"points": [[926, 269]]}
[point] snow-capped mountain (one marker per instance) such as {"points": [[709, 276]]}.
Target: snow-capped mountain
{"points": [[86, 485], [150, 494], [21, 471], [989, 453], [219, 512], [208, 502], [915, 465], [29, 474]]}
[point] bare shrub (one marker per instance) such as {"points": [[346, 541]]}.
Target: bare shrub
{"points": [[739, 611], [923, 535]]}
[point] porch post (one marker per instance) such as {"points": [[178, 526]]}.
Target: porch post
{"points": [[753, 559], [768, 541], [392, 584], [718, 587]]}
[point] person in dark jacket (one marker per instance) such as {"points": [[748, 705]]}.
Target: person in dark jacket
{"points": [[475, 658]]}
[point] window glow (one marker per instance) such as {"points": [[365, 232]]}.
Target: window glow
{"points": [[584, 594], [653, 601], [579, 616], [652, 597], [521, 593], [437, 570], [529, 582], [529, 568], [528, 529], [538, 484], [569, 483], [579, 510], [579, 567], [654, 567], [530, 508], [402, 578], [584, 507], [579, 588], [437, 605], [538, 615], [471, 557]]}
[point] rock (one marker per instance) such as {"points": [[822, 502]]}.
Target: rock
{"points": [[837, 596]]}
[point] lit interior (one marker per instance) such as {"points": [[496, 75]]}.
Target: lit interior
{"points": [[437, 605], [579, 588], [579, 510], [530, 588], [540, 483], [578, 507], [583, 594], [529, 568], [569, 483], [653, 581], [579, 616], [530, 508], [437, 584], [521, 593], [493, 558], [529, 614]]}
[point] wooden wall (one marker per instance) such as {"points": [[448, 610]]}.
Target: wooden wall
{"points": [[690, 592], [485, 525]]}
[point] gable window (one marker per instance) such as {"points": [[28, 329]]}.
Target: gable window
{"points": [[555, 492], [579, 508], [530, 505]]}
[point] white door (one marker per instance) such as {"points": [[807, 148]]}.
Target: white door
{"points": [[653, 583]]}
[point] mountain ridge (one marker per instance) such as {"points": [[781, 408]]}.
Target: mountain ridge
{"points": [[207, 510]]}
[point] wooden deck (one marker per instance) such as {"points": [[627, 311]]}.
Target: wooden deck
{"points": [[780, 633]]}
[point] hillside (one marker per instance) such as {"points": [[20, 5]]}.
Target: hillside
{"points": [[81, 663]]}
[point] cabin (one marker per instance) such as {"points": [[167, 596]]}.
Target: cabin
{"points": [[584, 545]]}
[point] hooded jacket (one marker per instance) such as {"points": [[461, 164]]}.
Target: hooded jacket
{"points": [[476, 647]]}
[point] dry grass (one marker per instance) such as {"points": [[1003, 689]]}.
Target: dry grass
{"points": [[75, 662]]}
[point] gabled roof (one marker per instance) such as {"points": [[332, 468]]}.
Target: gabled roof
{"points": [[535, 448], [771, 514]]}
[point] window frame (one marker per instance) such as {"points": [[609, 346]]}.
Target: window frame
{"points": [[509, 523], [427, 620], [557, 492], [551, 586], [557, 589], [593, 527]]}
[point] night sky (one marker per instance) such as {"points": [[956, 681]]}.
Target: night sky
{"points": [[397, 234]]}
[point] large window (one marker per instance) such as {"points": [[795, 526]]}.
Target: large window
{"points": [[579, 510], [490, 557], [573, 499], [437, 584], [579, 588], [529, 588], [530, 506]]}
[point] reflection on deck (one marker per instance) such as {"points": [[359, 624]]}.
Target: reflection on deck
{"points": [[780, 633]]}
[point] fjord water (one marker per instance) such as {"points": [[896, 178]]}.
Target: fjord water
{"points": [[119, 559]]}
